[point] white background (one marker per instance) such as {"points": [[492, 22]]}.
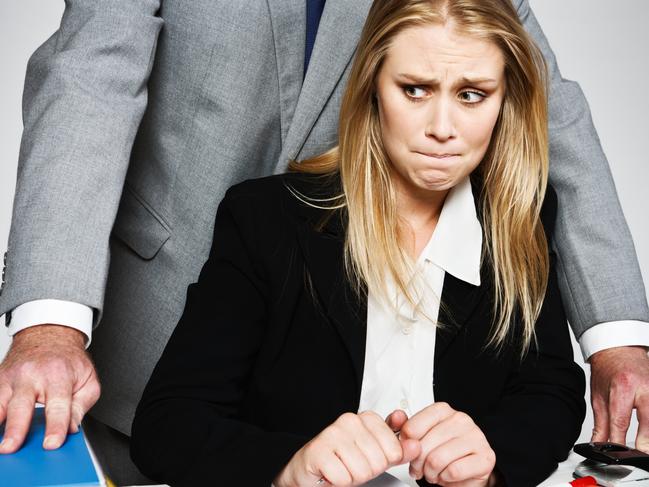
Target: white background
{"points": [[600, 43]]}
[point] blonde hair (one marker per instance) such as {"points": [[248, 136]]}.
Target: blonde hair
{"points": [[512, 176]]}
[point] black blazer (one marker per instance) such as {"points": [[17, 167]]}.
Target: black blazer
{"points": [[270, 350]]}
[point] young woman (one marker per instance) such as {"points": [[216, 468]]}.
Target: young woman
{"points": [[401, 282]]}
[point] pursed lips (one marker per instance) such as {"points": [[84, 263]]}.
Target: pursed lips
{"points": [[437, 156]]}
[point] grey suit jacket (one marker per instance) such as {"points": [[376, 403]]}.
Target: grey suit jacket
{"points": [[139, 115]]}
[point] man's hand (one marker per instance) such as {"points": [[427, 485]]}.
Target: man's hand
{"points": [[46, 364], [619, 381]]}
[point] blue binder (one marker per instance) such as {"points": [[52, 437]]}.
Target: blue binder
{"points": [[32, 466]]}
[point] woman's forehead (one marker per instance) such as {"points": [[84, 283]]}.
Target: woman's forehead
{"points": [[437, 51]]}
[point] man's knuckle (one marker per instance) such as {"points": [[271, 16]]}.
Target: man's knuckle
{"points": [[95, 392], [27, 368], [620, 422], [58, 367], [19, 403], [57, 403], [625, 380]]}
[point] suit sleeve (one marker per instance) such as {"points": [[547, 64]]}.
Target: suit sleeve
{"points": [[188, 425], [590, 225], [85, 94], [539, 417]]}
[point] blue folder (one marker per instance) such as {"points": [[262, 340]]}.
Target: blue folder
{"points": [[32, 466]]}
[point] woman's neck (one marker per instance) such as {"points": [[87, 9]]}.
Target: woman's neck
{"points": [[418, 212]]}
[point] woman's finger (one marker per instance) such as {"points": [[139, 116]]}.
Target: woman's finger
{"points": [[420, 423], [456, 425], [332, 471], [396, 419], [466, 457], [355, 461], [473, 469], [385, 441]]}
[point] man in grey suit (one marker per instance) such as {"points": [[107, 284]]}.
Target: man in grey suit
{"points": [[138, 116]]}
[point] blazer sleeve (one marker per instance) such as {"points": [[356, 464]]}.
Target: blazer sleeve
{"points": [[85, 94], [187, 427], [590, 224], [542, 409]]}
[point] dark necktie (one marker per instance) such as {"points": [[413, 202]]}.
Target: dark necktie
{"points": [[313, 13]]}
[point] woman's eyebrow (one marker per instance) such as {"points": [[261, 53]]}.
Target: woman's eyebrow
{"points": [[435, 81]]}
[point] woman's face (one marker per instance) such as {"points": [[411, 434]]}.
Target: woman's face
{"points": [[439, 94]]}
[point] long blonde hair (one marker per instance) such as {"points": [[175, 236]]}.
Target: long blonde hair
{"points": [[512, 176]]}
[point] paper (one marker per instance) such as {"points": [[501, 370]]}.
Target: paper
{"points": [[32, 466], [613, 475], [385, 480]]}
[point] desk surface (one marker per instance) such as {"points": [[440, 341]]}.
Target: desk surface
{"points": [[562, 474]]}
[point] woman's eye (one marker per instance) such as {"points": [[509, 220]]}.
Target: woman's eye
{"points": [[472, 96], [415, 92]]}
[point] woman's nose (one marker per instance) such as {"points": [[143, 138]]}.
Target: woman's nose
{"points": [[440, 125]]}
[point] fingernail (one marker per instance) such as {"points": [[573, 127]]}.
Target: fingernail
{"points": [[6, 444], [51, 442]]}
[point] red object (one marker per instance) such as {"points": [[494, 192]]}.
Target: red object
{"points": [[584, 482]]}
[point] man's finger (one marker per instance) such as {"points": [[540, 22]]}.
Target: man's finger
{"points": [[620, 407], [83, 400], [600, 413], [19, 416], [58, 399], [5, 397], [642, 413]]}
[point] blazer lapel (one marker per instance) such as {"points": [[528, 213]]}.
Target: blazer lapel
{"points": [[323, 253], [338, 33], [459, 300], [288, 19]]}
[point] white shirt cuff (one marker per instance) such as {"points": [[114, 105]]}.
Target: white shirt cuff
{"points": [[613, 334], [52, 312]]}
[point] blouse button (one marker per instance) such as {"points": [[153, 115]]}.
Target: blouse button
{"points": [[403, 403], [406, 330]]}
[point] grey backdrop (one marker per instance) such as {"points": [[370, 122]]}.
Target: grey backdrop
{"points": [[603, 48]]}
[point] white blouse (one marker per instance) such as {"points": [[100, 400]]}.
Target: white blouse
{"points": [[400, 343]]}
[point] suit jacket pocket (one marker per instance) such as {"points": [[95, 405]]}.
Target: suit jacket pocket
{"points": [[138, 225]]}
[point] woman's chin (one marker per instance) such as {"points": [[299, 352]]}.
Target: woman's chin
{"points": [[435, 182]]}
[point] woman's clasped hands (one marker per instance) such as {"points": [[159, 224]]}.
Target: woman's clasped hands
{"points": [[441, 445]]}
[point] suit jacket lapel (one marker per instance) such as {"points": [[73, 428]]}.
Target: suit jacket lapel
{"points": [[323, 253], [288, 19], [338, 34], [459, 299]]}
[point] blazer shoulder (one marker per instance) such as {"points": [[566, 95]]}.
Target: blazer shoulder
{"points": [[285, 192]]}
